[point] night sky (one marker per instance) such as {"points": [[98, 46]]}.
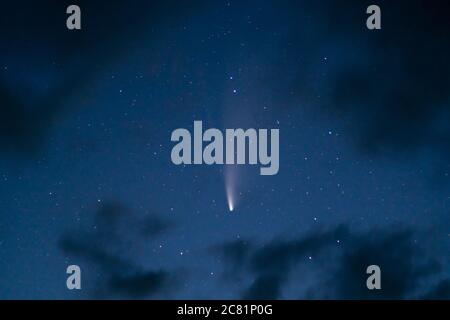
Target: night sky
{"points": [[86, 176]]}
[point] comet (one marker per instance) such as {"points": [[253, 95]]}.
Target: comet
{"points": [[230, 194], [230, 205], [230, 188], [230, 202]]}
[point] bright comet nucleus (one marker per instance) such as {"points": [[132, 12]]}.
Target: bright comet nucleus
{"points": [[230, 199]]}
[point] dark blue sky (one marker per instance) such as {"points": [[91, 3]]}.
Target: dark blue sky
{"points": [[85, 170]]}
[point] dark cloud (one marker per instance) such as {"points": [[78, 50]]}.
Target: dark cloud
{"points": [[235, 252], [107, 249], [265, 287], [390, 88], [271, 264], [341, 258], [391, 91], [139, 285], [281, 255], [439, 292], [403, 262], [235, 255], [154, 226], [86, 247], [74, 57], [110, 213]]}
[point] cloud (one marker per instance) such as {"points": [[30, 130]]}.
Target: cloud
{"points": [[334, 262], [404, 265], [271, 264], [86, 247], [68, 62], [108, 247], [265, 287], [154, 226], [439, 292], [138, 285], [235, 254], [390, 88]]}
